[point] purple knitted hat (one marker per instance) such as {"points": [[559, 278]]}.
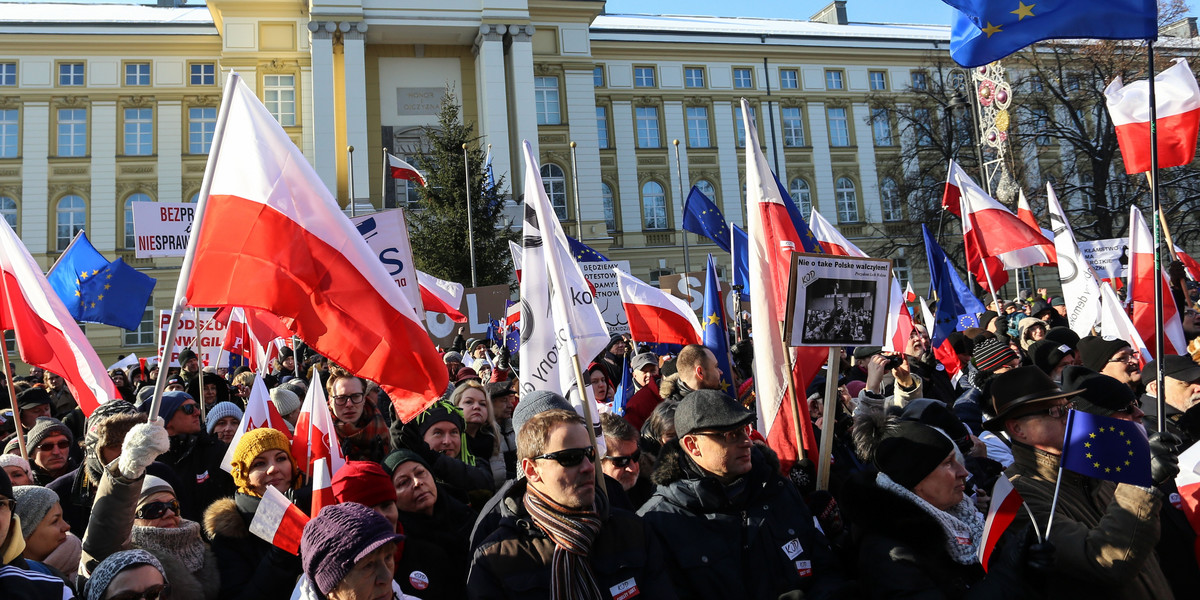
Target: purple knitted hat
{"points": [[341, 535]]}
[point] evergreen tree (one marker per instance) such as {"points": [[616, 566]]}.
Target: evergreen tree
{"points": [[439, 228]]}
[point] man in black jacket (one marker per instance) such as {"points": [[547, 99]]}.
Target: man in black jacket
{"points": [[195, 457]]}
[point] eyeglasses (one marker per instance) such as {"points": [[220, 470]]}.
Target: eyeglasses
{"points": [[570, 457], [731, 436], [8, 502], [621, 462], [1128, 358], [1133, 407], [60, 444], [189, 409], [158, 592], [345, 399], [1054, 412], [155, 510]]}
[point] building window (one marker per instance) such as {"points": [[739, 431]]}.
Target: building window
{"points": [[654, 206], [8, 74], [1025, 278], [922, 119], [139, 132], [847, 201], [8, 208], [130, 241], [802, 195], [10, 129], [920, 80], [647, 127], [878, 80], [833, 80], [598, 76], [958, 80], [72, 132], [707, 189], [643, 77], [1041, 123], [202, 124], [147, 331], [693, 77], [1035, 84], [889, 195], [789, 79], [70, 218], [602, 127], [793, 127], [839, 128], [555, 183], [279, 96], [881, 126], [202, 74], [610, 208], [743, 79], [545, 98], [900, 270], [740, 127], [137, 74], [697, 125], [70, 74]]}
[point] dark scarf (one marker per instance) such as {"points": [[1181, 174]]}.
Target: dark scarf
{"points": [[572, 531]]}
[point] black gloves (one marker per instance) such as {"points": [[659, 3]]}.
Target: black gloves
{"points": [[1164, 456], [502, 358]]}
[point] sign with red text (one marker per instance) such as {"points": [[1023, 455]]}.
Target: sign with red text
{"points": [[161, 229], [211, 336]]}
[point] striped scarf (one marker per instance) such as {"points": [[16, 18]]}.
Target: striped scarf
{"points": [[572, 531]]}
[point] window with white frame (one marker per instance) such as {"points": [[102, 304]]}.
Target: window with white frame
{"points": [[202, 74], [545, 98], [920, 80], [833, 80], [610, 207], [924, 122], [802, 195], [555, 182], [1036, 84], [137, 74], [654, 206], [706, 188], [793, 127], [739, 127], [743, 79], [139, 132], [70, 217], [602, 127], [643, 77], [146, 332], [789, 79], [647, 126], [598, 76], [10, 129], [1025, 278], [693, 77], [900, 269], [71, 74], [697, 127], [72, 132], [8, 209], [877, 80], [202, 124], [279, 96], [130, 240], [839, 127], [847, 201], [881, 126], [8, 74], [889, 197]]}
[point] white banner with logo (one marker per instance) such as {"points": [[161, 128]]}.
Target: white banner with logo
{"points": [[387, 235]]}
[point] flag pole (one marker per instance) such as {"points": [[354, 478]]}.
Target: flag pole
{"points": [[1156, 206], [64, 252], [687, 260], [828, 418], [384, 187], [791, 388], [470, 219], [185, 270], [199, 362], [12, 394], [575, 187], [350, 179]]}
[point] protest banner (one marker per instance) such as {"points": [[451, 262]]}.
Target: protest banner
{"points": [[161, 229], [478, 304], [185, 336], [837, 300], [608, 296], [387, 235], [1109, 258]]}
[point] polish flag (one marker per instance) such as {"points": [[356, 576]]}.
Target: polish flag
{"points": [[399, 169], [1189, 263], [832, 241], [279, 521], [1115, 323], [952, 201], [909, 294], [248, 329], [899, 322], [518, 257], [260, 412], [926, 315], [441, 296], [512, 314], [997, 232], [1177, 100], [656, 316], [269, 235], [1002, 512], [315, 437], [322, 486], [1188, 483], [47, 336], [1025, 214], [1141, 273]]}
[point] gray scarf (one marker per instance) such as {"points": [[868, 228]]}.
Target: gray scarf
{"points": [[962, 524], [182, 542]]}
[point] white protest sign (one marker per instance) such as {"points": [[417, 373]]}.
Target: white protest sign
{"points": [[387, 235], [1108, 257], [185, 335], [608, 295], [162, 228]]}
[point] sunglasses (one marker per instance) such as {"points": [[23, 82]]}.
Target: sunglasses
{"points": [[60, 444], [1134, 406], [189, 409], [158, 592], [570, 457], [621, 462], [155, 510]]}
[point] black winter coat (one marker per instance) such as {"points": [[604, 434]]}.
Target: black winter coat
{"points": [[251, 567], [196, 460], [435, 549]]}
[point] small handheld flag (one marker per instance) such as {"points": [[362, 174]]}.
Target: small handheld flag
{"points": [[1106, 448], [279, 521]]}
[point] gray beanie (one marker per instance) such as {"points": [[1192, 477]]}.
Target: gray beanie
{"points": [[32, 504], [534, 403], [152, 485], [43, 428], [286, 401], [451, 356], [116, 562], [220, 411]]}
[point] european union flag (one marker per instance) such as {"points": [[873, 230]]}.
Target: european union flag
{"points": [[741, 260], [956, 308], [624, 389], [96, 291], [807, 239], [716, 336], [1106, 448], [988, 30], [584, 253], [701, 216], [78, 262]]}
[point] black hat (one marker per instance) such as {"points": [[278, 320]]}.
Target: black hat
{"points": [[710, 409], [286, 352], [1039, 307], [986, 317], [1095, 351], [185, 355], [1047, 354], [1063, 335], [34, 396], [909, 451], [934, 413], [863, 352], [1018, 389], [440, 411], [1175, 366], [1098, 394]]}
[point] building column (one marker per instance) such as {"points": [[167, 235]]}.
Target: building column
{"points": [[581, 108], [872, 203], [824, 200], [35, 177], [522, 111], [491, 96], [102, 201], [627, 168], [354, 84], [323, 124], [170, 151]]}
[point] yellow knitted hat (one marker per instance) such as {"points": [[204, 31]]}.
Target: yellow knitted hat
{"points": [[253, 443]]}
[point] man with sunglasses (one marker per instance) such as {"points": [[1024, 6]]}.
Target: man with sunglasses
{"points": [[49, 443], [195, 457], [557, 538], [735, 526], [1104, 533], [620, 462]]}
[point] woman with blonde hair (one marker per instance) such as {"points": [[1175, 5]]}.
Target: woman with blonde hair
{"points": [[481, 434]]}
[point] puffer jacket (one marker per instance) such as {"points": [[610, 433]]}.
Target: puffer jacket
{"points": [[758, 545], [514, 561], [251, 567], [1103, 535]]}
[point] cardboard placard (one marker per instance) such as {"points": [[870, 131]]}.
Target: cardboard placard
{"points": [[837, 300]]}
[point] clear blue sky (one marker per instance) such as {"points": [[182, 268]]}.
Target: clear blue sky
{"points": [[878, 11]]}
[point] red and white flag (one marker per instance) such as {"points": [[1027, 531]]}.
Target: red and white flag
{"points": [[512, 314], [322, 486], [279, 521], [315, 437], [1141, 273], [926, 315], [441, 296], [399, 169], [260, 412], [899, 321], [47, 336], [1189, 263], [518, 257], [952, 201], [1115, 323], [1025, 214], [996, 232], [909, 294], [248, 330], [1177, 99], [1188, 483], [269, 235], [1002, 512], [656, 316], [832, 241]]}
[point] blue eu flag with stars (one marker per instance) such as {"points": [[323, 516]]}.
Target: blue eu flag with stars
{"points": [[96, 291], [702, 217], [1106, 448], [584, 253], [956, 308], [716, 336]]}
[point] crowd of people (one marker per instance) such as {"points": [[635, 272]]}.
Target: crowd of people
{"points": [[493, 494]]}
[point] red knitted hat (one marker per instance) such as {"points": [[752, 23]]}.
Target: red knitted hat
{"points": [[363, 482]]}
